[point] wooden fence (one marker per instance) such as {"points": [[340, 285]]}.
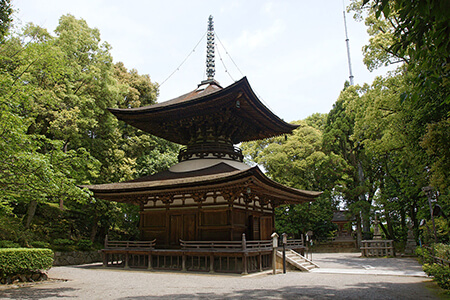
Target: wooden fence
{"points": [[377, 248], [436, 259]]}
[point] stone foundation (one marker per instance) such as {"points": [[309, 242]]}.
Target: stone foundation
{"points": [[76, 258]]}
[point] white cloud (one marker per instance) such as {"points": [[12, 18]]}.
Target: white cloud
{"points": [[252, 40]]}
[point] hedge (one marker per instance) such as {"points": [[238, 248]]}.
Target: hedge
{"points": [[15, 261], [440, 273]]}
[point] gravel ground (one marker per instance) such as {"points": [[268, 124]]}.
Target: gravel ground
{"points": [[95, 282]]}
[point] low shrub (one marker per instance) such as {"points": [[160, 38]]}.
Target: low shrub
{"points": [[423, 255], [63, 245], [40, 244], [14, 261], [9, 244], [442, 251], [84, 245], [440, 273]]}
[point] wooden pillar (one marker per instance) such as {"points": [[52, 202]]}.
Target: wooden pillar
{"points": [[183, 262], [244, 255], [230, 218], [126, 261], [211, 263], [244, 264], [274, 252], [260, 262], [105, 259], [150, 267]]}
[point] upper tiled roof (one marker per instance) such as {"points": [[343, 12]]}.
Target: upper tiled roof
{"points": [[236, 105]]}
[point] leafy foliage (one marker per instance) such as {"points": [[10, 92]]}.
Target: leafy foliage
{"points": [[5, 16], [421, 32], [56, 134], [8, 244], [440, 273], [299, 161]]}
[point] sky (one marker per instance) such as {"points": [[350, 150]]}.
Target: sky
{"points": [[293, 52]]}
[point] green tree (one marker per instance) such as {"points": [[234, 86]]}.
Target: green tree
{"points": [[421, 30], [56, 132], [298, 161], [5, 17], [404, 123]]}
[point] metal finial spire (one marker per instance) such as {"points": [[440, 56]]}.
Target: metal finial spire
{"points": [[210, 57]]}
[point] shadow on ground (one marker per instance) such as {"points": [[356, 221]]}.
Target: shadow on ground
{"points": [[365, 291], [36, 293]]}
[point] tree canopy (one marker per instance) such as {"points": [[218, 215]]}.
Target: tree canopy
{"points": [[382, 143], [56, 132]]}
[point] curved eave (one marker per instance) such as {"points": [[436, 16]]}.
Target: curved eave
{"points": [[252, 177], [252, 110]]}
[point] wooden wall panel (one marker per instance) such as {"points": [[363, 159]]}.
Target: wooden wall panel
{"points": [[176, 229], [214, 218], [189, 227], [154, 219], [159, 235], [215, 235], [239, 217], [266, 229]]}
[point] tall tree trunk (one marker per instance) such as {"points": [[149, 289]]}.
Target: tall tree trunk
{"points": [[385, 231], [94, 229], [30, 213], [362, 198], [390, 228], [403, 219], [358, 230]]}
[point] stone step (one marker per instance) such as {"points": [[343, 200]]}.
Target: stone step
{"points": [[297, 260]]}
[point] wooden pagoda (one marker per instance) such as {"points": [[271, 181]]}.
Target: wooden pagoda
{"points": [[210, 194]]}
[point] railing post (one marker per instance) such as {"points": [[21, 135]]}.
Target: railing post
{"points": [[244, 255], [274, 252], [106, 241], [284, 251], [211, 263], [150, 267], [105, 259], [126, 260], [260, 262], [244, 263], [183, 262]]}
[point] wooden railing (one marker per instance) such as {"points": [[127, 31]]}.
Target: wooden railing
{"points": [[262, 245], [292, 244], [214, 256], [129, 244], [436, 259], [227, 245]]}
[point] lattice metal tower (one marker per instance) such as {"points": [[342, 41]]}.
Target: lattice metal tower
{"points": [[348, 50]]}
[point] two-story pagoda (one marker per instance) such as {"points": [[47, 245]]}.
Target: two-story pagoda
{"points": [[210, 194]]}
